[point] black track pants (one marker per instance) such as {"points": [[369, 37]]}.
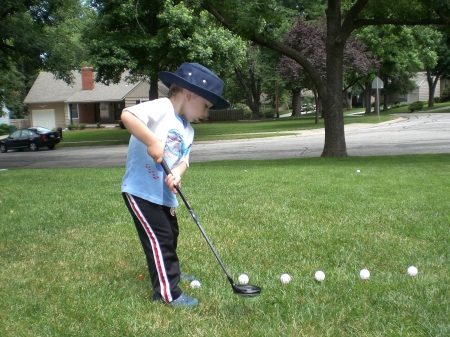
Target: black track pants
{"points": [[157, 227]]}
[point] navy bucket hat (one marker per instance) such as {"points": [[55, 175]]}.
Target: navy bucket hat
{"points": [[199, 80]]}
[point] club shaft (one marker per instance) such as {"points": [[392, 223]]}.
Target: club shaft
{"points": [[191, 211]]}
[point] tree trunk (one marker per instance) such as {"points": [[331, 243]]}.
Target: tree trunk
{"points": [[368, 98], [348, 99], [385, 101], [318, 106], [296, 102], [431, 88], [254, 107], [153, 91], [335, 145]]}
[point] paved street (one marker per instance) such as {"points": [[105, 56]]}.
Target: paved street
{"points": [[410, 134]]}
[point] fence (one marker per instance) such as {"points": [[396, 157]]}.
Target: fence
{"points": [[226, 115], [20, 123]]}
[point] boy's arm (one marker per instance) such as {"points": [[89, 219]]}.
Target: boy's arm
{"points": [[138, 129]]}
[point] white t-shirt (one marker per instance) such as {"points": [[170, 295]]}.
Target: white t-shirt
{"points": [[143, 177]]}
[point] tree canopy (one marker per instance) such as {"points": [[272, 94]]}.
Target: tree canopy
{"points": [[146, 37], [36, 35]]}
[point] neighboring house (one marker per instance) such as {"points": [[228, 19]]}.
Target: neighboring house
{"points": [[445, 84], [420, 93], [4, 115], [54, 104]]}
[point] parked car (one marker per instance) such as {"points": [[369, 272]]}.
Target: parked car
{"points": [[30, 138]]}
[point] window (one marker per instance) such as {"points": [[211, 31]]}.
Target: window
{"points": [[73, 110], [15, 134], [139, 101], [118, 107]]}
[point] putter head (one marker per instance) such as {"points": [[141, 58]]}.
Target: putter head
{"points": [[246, 290]]}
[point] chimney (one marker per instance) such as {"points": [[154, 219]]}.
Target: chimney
{"points": [[87, 78]]}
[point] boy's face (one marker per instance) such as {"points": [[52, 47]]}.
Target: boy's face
{"points": [[196, 108]]}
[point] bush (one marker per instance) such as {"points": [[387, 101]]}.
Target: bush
{"points": [[121, 124], [267, 113], [445, 97], [99, 125], [72, 127], [4, 129], [415, 106], [81, 126], [245, 108]]}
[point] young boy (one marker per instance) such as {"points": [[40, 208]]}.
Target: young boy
{"points": [[161, 130]]}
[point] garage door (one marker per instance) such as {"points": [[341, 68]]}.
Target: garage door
{"points": [[45, 118]]}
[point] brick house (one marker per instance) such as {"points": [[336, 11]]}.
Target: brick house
{"points": [[54, 104]]}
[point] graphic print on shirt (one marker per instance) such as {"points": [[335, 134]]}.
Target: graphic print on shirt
{"points": [[175, 148], [152, 172]]}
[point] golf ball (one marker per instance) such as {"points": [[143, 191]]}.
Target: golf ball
{"points": [[319, 275], [285, 278], [364, 274], [195, 284], [412, 271], [243, 279], [357, 171]]}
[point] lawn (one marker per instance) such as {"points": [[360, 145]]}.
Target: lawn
{"points": [[235, 130], [217, 130], [71, 260]]}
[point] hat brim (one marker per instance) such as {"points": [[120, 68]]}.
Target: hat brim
{"points": [[217, 101]]}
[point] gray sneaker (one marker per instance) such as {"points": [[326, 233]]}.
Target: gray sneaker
{"points": [[182, 301]]}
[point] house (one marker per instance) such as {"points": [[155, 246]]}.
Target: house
{"points": [[445, 84], [420, 93], [55, 104]]}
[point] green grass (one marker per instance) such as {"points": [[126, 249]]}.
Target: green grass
{"points": [[70, 257], [214, 131], [94, 137]]}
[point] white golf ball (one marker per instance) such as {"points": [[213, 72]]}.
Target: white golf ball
{"points": [[319, 275], [412, 271], [243, 279], [364, 274], [195, 284], [357, 171], [285, 278]]}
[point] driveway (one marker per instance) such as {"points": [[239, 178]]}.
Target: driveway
{"points": [[410, 134]]}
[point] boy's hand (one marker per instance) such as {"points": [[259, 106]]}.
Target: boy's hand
{"points": [[173, 180], [156, 151]]}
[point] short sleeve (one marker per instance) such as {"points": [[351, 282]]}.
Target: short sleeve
{"points": [[148, 112]]}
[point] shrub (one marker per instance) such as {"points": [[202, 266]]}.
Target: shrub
{"points": [[4, 129], [247, 111], [445, 97], [437, 100], [415, 106], [122, 126], [72, 127], [98, 125], [81, 126]]}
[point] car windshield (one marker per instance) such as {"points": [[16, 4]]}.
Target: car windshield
{"points": [[40, 129]]}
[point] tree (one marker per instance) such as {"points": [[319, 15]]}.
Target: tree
{"points": [[441, 67], [35, 36], [309, 37], [145, 37], [342, 19]]}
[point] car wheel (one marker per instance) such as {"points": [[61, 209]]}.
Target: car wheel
{"points": [[33, 146], [51, 147], [3, 148]]}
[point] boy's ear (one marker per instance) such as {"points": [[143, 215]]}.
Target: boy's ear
{"points": [[187, 94]]}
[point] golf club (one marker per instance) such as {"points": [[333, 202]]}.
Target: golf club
{"points": [[246, 290]]}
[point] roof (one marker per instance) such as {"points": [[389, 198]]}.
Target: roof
{"points": [[48, 89]]}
